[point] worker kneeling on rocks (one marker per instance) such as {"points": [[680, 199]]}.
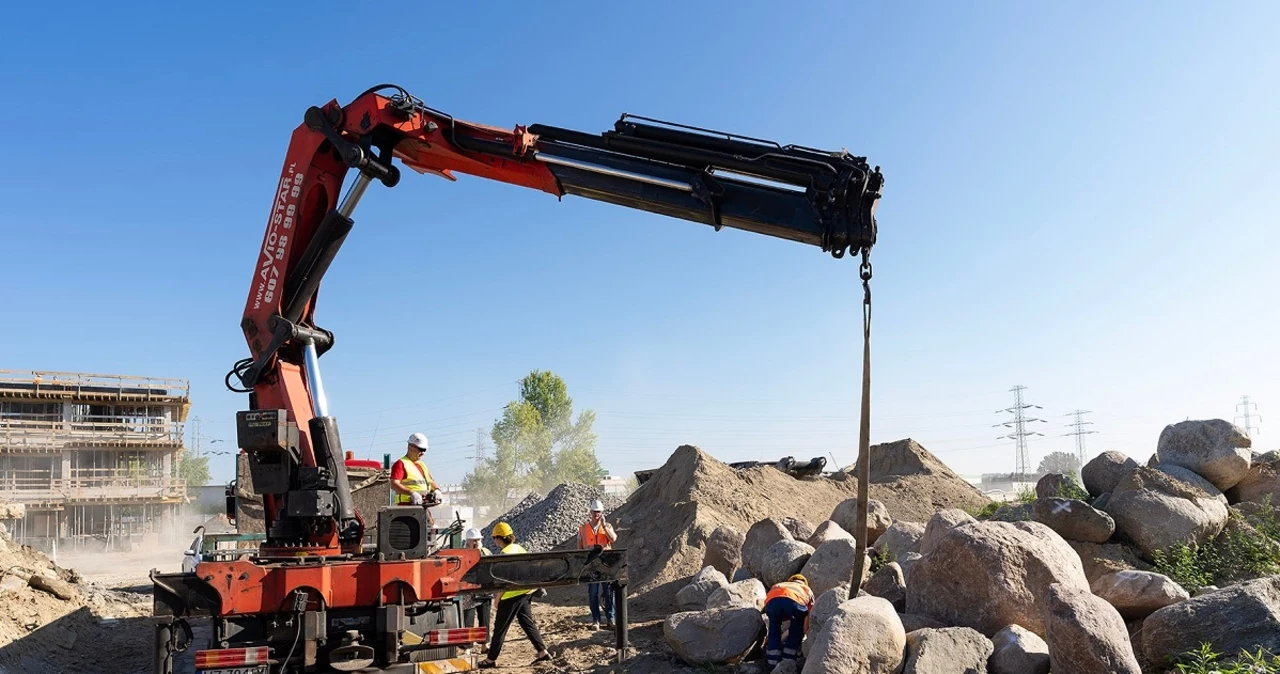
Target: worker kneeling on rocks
{"points": [[789, 601]]}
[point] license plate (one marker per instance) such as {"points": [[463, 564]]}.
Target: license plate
{"points": [[250, 669]]}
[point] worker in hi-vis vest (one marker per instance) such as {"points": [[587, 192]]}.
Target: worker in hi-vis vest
{"points": [[596, 531], [410, 479], [513, 606], [787, 602]]}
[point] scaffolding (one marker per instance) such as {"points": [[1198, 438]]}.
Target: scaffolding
{"points": [[93, 457]]}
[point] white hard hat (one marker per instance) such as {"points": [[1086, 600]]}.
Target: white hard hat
{"points": [[597, 506], [418, 440], [473, 534]]}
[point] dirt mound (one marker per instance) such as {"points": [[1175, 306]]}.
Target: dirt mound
{"points": [[48, 617], [666, 522]]}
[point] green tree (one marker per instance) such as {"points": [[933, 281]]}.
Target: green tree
{"points": [[194, 470], [1059, 462], [538, 444]]}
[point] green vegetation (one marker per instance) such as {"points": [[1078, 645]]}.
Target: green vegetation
{"points": [[1059, 462], [1207, 661], [1073, 489], [537, 445], [879, 558], [1236, 554], [985, 512], [194, 470]]}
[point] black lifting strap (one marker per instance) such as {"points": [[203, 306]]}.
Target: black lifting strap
{"points": [[864, 433]]}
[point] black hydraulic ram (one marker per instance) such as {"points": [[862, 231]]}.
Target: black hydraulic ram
{"points": [[825, 199]]}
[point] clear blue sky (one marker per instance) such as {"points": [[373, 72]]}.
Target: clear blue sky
{"points": [[1081, 200]]}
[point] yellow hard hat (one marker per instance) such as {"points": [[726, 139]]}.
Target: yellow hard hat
{"points": [[502, 529], [798, 578]]}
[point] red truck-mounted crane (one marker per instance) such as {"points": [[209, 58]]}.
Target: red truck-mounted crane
{"points": [[315, 597]]}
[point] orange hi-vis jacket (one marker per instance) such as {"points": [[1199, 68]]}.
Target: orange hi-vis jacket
{"points": [[591, 537], [797, 592]]}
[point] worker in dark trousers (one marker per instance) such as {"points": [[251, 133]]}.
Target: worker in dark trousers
{"points": [[513, 606], [789, 601], [477, 606]]}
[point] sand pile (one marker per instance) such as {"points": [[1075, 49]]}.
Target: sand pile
{"points": [[666, 522], [542, 524]]}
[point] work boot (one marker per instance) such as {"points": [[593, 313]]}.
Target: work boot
{"points": [[595, 626], [608, 624]]}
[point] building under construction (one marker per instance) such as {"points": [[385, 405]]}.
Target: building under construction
{"points": [[92, 457]]}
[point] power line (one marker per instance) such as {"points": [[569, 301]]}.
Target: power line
{"points": [[1247, 416], [1078, 430], [1019, 426]]}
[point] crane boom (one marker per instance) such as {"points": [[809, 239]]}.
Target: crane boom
{"points": [[824, 199]]}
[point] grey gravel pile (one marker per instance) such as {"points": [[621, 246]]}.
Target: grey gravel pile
{"points": [[542, 524]]}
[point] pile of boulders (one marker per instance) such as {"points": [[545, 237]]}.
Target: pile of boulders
{"points": [[1057, 583]]}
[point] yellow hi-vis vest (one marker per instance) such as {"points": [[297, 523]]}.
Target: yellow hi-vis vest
{"points": [[416, 478], [513, 549]]}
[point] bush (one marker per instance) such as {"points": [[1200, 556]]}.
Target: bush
{"points": [[1073, 489], [879, 558], [1206, 661], [985, 512], [1233, 556]]}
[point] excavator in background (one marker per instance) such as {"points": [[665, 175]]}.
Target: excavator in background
{"points": [[314, 596]]}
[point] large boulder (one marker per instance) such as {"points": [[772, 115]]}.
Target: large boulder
{"points": [[1099, 560], [693, 597], [939, 525], [832, 565], [1138, 594], [889, 583], [1018, 650], [724, 549], [1180, 473], [899, 539], [713, 637], [759, 537], [1155, 511], [827, 531], [847, 514], [1216, 449], [742, 594], [781, 560], [1245, 616], [1104, 471], [1054, 485], [1086, 635], [824, 608], [951, 650], [864, 636], [798, 528], [1262, 480], [1074, 520], [986, 575]]}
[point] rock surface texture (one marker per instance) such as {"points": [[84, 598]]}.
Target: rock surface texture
{"points": [[713, 637], [759, 537], [847, 515], [827, 531], [724, 550], [1138, 594], [831, 565], [1215, 449], [1086, 635], [693, 597], [1180, 473], [888, 583], [1018, 650], [942, 522], [899, 539], [1242, 616], [1105, 471], [782, 559], [987, 575], [1156, 511], [748, 593], [1074, 520], [864, 636], [951, 650]]}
